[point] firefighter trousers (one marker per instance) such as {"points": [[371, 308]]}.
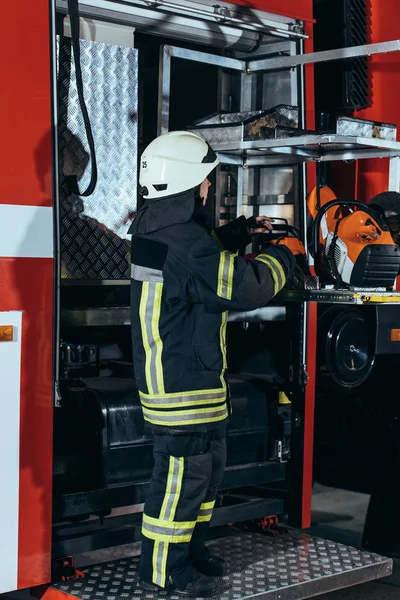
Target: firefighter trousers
{"points": [[188, 469]]}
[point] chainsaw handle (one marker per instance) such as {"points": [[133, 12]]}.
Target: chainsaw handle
{"points": [[318, 219]]}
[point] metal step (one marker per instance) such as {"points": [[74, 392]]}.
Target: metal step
{"points": [[288, 567]]}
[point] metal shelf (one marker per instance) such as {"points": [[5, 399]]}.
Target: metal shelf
{"points": [[121, 316], [307, 148], [328, 296]]}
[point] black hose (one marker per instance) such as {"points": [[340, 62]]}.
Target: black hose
{"points": [[72, 180]]}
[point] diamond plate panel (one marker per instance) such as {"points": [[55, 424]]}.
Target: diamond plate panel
{"points": [[245, 127], [368, 129], [94, 241], [290, 566]]}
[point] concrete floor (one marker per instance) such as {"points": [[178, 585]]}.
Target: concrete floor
{"points": [[337, 515]]}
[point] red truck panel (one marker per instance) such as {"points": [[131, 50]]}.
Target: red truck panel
{"points": [[385, 105], [26, 285]]}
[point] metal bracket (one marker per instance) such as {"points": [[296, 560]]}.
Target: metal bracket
{"points": [[305, 376], [221, 13], [297, 28], [57, 395]]}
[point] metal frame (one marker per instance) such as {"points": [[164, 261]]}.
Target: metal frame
{"points": [[221, 14], [289, 62], [353, 148], [164, 82], [304, 149], [394, 174]]}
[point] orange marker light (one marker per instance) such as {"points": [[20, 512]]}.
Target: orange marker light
{"points": [[395, 335], [6, 333]]}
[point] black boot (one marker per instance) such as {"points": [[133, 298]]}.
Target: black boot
{"points": [[211, 565], [199, 586], [149, 587]]}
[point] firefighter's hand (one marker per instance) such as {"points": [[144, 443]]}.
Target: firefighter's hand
{"points": [[264, 222]]}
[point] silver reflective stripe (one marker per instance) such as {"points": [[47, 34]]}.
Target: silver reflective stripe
{"points": [[189, 399], [159, 575], [165, 525], [150, 306], [206, 511], [169, 538], [140, 273], [225, 275], [174, 485], [172, 532], [181, 417]]}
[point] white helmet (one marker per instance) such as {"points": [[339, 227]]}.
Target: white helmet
{"points": [[175, 162]]}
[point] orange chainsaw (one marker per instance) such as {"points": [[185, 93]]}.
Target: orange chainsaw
{"points": [[351, 243]]}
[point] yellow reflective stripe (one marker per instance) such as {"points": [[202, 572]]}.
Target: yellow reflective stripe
{"points": [[146, 345], [177, 415], [230, 276], [225, 275], [183, 413], [156, 336], [221, 274], [183, 404], [149, 313], [204, 518], [181, 394], [205, 512], [174, 530], [276, 270], [168, 524], [178, 490], [207, 505], [274, 273], [173, 490], [155, 421], [224, 319], [155, 402], [156, 575], [279, 267], [164, 562], [167, 491], [161, 537]]}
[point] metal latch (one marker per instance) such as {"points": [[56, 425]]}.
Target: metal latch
{"points": [[222, 12], [57, 395]]}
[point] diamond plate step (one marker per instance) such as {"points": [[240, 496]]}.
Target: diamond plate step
{"points": [[288, 567]]}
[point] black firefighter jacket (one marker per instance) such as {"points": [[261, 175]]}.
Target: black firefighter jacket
{"points": [[183, 284]]}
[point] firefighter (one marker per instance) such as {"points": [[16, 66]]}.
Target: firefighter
{"points": [[183, 284]]}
